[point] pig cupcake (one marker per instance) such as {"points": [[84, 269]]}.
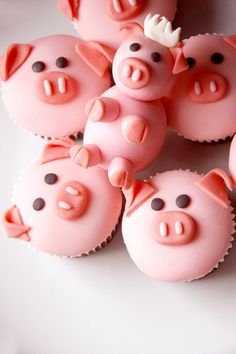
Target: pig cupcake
{"points": [[178, 226], [130, 115], [62, 209], [103, 24], [46, 83], [202, 104]]}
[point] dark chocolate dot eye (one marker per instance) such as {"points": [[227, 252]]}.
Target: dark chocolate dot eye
{"points": [[61, 62], [182, 201], [217, 58], [191, 62], [135, 47], [38, 66], [157, 204], [156, 57], [50, 178], [38, 204]]}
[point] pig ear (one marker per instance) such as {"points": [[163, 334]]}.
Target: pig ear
{"points": [[180, 60], [97, 56], [214, 184], [131, 29], [70, 8], [14, 57], [56, 150], [13, 223], [137, 195], [231, 40]]}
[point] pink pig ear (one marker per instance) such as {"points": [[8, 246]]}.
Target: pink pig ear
{"points": [[96, 55], [180, 60], [14, 57], [13, 223], [56, 150], [214, 184], [231, 40], [131, 29], [70, 8], [137, 195]]}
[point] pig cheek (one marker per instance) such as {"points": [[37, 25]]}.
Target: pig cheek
{"points": [[71, 201]]}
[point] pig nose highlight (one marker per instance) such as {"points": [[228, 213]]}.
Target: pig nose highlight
{"points": [[197, 88], [163, 229], [179, 228], [72, 191], [213, 86], [64, 205], [47, 88], [137, 75]]}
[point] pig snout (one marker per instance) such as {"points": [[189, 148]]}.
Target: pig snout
{"points": [[207, 88], [121, 10], [56, 88], [71, 200], [173, 228], [134, 73]]}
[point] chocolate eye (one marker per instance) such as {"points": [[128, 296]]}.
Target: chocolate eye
{"points": [[135, 47], [157, 204], [38, 66], [182, 201], [156, 57], [61, 62], [217, 58], [191, 62], [38, 204], [50, 178]]}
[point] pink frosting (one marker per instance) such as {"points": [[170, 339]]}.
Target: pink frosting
{"points": [[104, 23], [51, 102], [184, 233], [206, 92], [71, 214]]}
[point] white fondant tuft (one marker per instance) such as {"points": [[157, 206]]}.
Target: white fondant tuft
{"points": [[160, 30]]}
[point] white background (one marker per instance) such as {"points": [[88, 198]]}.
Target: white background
{"points": [[102, 303]]}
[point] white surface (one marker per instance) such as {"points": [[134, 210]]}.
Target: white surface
{"points": [[102, 304]]}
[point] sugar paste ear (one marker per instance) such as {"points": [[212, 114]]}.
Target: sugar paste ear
{"points": [[13, 223], [96, 55], [14, 57], [70, 8], [131, 29], [231, 40], [214, 184], [137, 195], [57, 150], [180, 60]]}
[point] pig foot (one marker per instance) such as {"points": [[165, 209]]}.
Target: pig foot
{"points": [[119, 173], [102, 109], [135, 129], [85, 155]]}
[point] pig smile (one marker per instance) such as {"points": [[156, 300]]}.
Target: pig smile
{"points": [[56, 88]]}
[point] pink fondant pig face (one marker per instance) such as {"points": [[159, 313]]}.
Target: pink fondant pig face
{"points": [[177, 226], [101, 19], [62, 209], [143, 68], [46, 84], [202, 105]]}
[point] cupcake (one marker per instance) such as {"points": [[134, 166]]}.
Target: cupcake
{"points": [[61, 208], [178, 226], [46, 83]]}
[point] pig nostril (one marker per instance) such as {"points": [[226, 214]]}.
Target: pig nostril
{"points": [[127, 71], [197, 88], [62, 85], [47, 87], [213, 86], [133, 2], [179, 229], [64, 205], [163, 229], [137, 75], [72, 191], [117, 5]]}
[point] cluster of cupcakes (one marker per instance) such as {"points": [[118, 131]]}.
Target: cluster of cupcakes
{"points": [[120, 88]]}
